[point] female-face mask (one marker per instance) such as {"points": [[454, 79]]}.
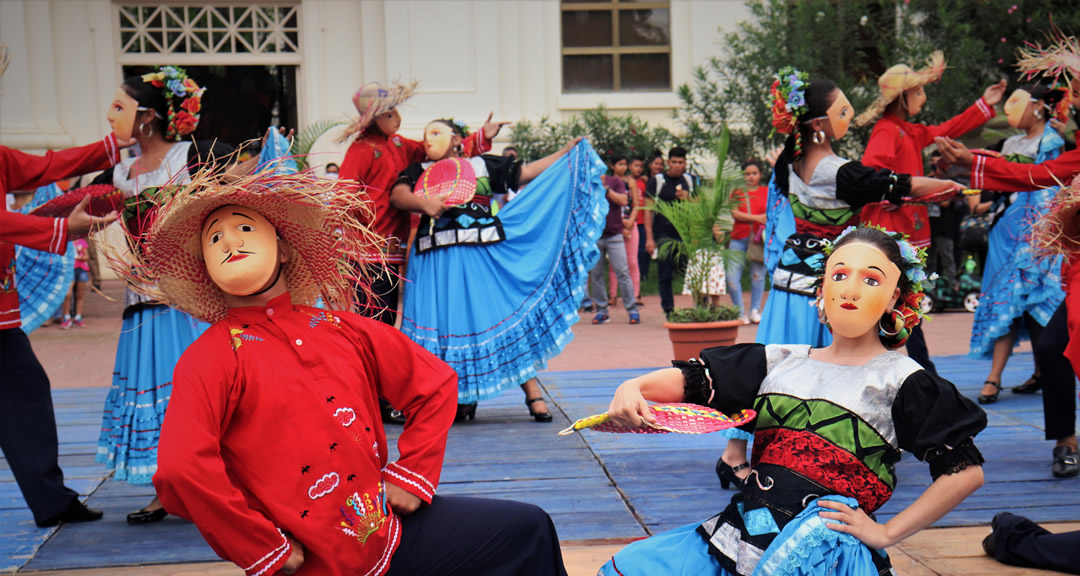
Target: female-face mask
{"points": [[840, 114], [121, 114], [860, 286], [1016, 107], [439, 141]]}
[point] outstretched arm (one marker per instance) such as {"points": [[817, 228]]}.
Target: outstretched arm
{"points": [[630, 405], [923, 186], [533, 169], [942, 496]]}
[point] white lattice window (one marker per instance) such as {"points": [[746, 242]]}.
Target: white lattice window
{"points": [[248, 29]]}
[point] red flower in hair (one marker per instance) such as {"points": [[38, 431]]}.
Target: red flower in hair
{"points": [[192, 105], [782, 119], [157, 83], [185, 123]]}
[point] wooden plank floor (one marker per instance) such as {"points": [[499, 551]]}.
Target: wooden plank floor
{"points": [[597, 487]]}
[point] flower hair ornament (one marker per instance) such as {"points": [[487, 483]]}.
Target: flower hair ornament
{"points": [[895, 326], [184, 97], [789, 102]]}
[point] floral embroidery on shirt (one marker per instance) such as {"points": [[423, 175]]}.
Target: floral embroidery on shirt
{"points": [[397, 141], [323, 486], [7, 278], [239, 337], [323, 316], [363, 517], [346, 416]]}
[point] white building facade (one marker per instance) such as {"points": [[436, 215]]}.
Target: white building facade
{"points": [[522, 59]]}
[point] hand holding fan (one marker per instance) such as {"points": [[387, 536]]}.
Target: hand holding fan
{"points": [[675, 417], [104, 198], [452, 180]]}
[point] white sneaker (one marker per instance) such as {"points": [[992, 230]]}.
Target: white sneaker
{"points": [[744, 319], [755, 316]]}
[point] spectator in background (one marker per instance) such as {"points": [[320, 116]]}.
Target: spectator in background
{"points": [[670, 186], [654, 166], [78, 287], [636, 190], [746, 236], [510, 152], [332, 171], [944, 229], [613, 245]]}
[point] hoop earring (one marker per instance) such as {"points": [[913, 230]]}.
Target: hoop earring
{"points": [[1037, 114], [145, 134], [821, 312], [819, 137], [892, 317]]}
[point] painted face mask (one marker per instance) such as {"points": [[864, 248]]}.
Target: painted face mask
{"points": [[840, 114], [240, 248], [438, 141], [121, 114], [1016, 106], [860, 284]]}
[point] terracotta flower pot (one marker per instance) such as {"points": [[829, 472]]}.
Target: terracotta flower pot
{"points": [[689, 339]]}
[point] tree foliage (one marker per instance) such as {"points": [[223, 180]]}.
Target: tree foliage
{"points": [[609, 133]]}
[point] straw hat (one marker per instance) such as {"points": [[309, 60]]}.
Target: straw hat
{"points": [[373, 99], [897, 80], [315, 217], [1058, 231], [1062, 57]]}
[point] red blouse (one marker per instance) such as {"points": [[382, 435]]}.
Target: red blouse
{"points": [[274, 427], [897, 145], [21, 171], [752, 202], [375, 160]]}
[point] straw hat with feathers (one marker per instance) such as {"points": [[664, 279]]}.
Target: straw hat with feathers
{"points": [[317, 218], [898, 79], [1057, 231], [1060, 58], [372, 100]]}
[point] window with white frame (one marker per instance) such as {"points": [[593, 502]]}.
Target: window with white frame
{"points": [[249, 28], [616, 45]]}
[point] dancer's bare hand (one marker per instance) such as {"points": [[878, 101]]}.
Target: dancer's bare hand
{"points": [[774, 155], [81, 223], [400, 500], [570, 145], [995, 93], [296, 556], [433, 207], [491, 129], [856, 523], [628, 407], [954, 152]]}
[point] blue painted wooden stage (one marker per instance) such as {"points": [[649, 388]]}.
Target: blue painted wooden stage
{"points": [[595, 486]]}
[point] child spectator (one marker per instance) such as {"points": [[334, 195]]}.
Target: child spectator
{"points": [[654, 166], [746, 237], [671, 186], [78, 287], [612, 245], [630, 215]]}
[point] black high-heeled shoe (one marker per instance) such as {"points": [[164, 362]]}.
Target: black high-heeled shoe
{"points": [[146, 516], [465, 412], [1031, 386], [726, 473], [990, 398], [538, 416]]}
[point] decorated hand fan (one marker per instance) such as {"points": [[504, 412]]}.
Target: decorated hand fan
{"points": [[104, 198], [677, 417], [451, 179]]}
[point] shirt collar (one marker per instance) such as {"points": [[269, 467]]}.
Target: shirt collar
{"points": [[278, 306]]}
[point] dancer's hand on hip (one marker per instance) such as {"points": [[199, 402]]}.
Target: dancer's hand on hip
{"points": [[296, 556], [857, 523], [400, 500]]}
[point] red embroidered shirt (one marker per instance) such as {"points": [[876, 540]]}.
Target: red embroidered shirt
{"points": [[897, 145], [21, 171], [998, 174], [375, 161], [274, 427]]}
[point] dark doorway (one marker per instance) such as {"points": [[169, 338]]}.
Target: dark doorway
{"points": [[240, 101]]}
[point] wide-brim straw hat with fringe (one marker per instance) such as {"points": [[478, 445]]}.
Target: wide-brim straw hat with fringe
{"points": [[317, 218], [373, 99], [1057, 231], [1060, 58], [899, 79]]}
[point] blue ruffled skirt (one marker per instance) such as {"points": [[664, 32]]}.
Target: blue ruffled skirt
{"points": [[790, 318], [1014, 281], [151, 342], [43, 278], [497, 313]]}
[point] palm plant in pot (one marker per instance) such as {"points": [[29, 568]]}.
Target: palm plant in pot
{"points": [[704, 225]]}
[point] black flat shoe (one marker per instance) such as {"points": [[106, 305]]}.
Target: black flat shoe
{"points": [[1031, 386], [465, 412], [538, 416], [727, 475], [988, 544], [147, 516], [990, 398], [75, 512], [1066, 462]]}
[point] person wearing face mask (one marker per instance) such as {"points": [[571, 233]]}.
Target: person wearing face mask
{"points": [[831, 424], [1019, 291], [160, 111], [495, 296], [897, 144], [332, 171]]}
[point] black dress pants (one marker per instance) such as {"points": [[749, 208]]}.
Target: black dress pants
{"points": [[1057, 377], [1020, 542], [28, 427], [386, 292], [462, 536]]}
